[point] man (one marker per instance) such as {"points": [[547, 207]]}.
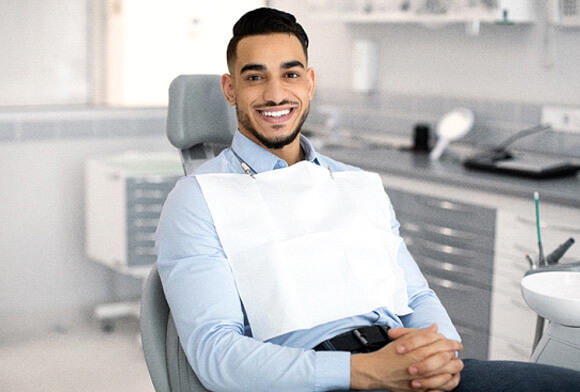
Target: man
{"points": [[284, 270]]}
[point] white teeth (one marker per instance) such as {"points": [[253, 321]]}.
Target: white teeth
{"points": [[276, 114]]}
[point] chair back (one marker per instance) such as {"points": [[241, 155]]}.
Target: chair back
{"points": [[198, 119], [153, 320]]}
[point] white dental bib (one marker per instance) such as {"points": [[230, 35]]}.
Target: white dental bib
{"points": [[307, 246]]}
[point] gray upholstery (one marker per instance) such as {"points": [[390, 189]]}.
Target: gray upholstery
{"points": [[181, 375], [165, 358], [198, 116], [153, 323]]}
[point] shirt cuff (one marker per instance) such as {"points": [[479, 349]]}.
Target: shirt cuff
{"points": [[332, 370]]}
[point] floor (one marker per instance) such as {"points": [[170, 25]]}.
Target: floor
{"points": [[84, 360]]}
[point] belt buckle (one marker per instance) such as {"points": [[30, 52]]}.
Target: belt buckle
{"points": [[360, 337]]}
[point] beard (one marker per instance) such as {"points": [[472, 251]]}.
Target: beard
{"points": [[274, 143]]}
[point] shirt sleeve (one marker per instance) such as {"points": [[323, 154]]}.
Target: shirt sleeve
{"points": [[201, 292]]}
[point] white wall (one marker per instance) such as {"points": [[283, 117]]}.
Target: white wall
{"points": [[48, 47], [45, 52], [150, 42], [46, 280], [502, 63]]}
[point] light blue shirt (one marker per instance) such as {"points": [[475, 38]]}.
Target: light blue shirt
{"points": [[210, 319]]}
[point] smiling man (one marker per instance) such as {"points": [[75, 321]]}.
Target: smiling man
{"points": [[271, 87], [284, 269]]}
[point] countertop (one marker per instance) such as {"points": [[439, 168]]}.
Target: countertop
{"points": [[394, 159]]}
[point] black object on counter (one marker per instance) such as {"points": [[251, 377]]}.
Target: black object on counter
{"points": [[421, 138]]}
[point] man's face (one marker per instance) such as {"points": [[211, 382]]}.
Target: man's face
{"points": [[271, 88]]}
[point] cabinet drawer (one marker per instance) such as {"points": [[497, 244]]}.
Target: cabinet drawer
{"points": [[446, 213], [145, 198], [454, 273], [451, 258], [475, 343], [466, 305], [444, 236], [149, 189]]}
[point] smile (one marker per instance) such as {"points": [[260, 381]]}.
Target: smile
{"points": [[275, 114]]}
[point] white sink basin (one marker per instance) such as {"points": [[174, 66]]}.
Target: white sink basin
{"points": [[554, 295]]}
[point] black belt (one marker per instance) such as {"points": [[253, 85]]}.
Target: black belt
{"points": [[364, 339]]}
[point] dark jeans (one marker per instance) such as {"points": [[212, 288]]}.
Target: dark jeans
{"points": [[509, 376]]}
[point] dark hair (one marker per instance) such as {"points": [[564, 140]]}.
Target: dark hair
{"points": [[265, 21]]}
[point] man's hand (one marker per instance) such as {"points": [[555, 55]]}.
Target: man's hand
{"points": [[418, 360], [446, 377]]}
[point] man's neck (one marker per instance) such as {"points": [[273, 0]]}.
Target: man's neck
{"points": [[291, 153]]}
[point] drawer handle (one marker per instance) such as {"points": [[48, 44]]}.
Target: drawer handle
{"points": [[446, 249], [451, 267], [155, 180], [146, 222], [141, 237], [151, 208], [441, 230], [449, 284], [149, 194], [145, 251], [448, 206]]}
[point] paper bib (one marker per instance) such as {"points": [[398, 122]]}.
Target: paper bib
{"points": [[307, 246]]}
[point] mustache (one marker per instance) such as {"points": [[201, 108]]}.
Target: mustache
{"points": [[269, 104]]}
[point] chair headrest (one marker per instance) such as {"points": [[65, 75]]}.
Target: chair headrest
{"points": [[198, 112]]}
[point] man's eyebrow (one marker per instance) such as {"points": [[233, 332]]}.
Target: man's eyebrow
{"points": [[262, 67], [292, 64], [253, 67]]}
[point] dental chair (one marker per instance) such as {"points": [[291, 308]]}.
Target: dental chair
{"points": [[199, 121]]}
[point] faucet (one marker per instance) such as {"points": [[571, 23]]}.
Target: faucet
{"points": [[550, 263]]}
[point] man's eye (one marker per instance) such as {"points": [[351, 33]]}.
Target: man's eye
{"points": [[292, 75], [254, 77]]}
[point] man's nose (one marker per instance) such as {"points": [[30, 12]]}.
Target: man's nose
{"points": [[274, 91]]}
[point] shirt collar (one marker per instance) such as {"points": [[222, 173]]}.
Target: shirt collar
{"points": [[261, 160]]}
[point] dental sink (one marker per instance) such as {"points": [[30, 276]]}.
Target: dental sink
{"points": [[554, 295]]}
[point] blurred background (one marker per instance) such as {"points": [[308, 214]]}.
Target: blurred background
{"points": [[84, 80]]}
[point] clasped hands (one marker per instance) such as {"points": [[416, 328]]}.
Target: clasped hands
{"points": [[420, 360]]}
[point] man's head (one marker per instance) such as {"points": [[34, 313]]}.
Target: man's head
{"points": [[264, 21], [269, 81]]}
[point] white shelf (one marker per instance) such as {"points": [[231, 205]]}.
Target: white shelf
{"points": [[369, 11], [411, 18]]}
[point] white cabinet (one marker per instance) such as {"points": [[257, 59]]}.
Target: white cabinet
{"points": [[516, 236], [124, 196], [511, 322]]}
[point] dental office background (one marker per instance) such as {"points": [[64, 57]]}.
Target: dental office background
{"points": [[82, 79]]}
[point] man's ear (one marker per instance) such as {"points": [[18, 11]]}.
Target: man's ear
{"points": [[311, 82], [228, 89]]}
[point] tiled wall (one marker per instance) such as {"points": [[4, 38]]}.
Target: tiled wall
{"points": [[39, 124], [495, 121]]}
